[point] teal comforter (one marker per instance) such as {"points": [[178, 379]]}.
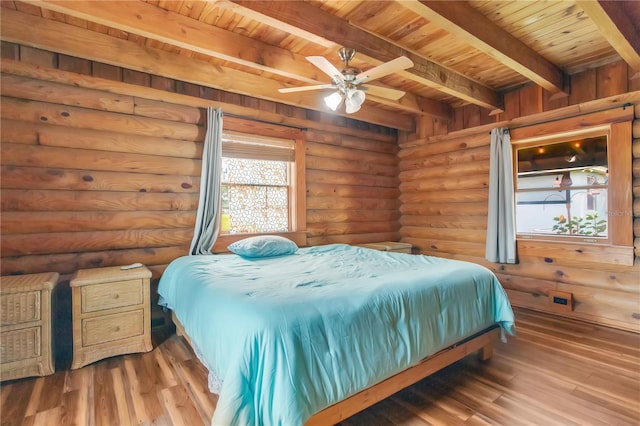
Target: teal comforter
{"points": [[291, 335]]}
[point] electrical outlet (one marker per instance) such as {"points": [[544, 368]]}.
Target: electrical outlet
{"points": [[561, 301]]}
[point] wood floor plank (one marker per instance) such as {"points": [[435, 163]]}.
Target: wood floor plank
{"points": [[554, 381], [51, 400], [597, 356], [394, 413], [179, 406], [15, 400], [166, 375], [52, 416], [149, 385], [471, 393], [542, 372], [120, 396], [477, 396], [621, 399], [135, 396], [532, 392], [371, 417], [553, 372], [445, 402], [34, 399], [195, 377], [554, 363], [621, 386], [424, 409], [476, 420], [560, 328], [495, 414], [105, 403], [532, 414], [631, 412], [75, 408]]}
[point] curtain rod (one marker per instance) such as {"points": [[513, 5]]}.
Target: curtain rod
{"points": [[623, 106]]}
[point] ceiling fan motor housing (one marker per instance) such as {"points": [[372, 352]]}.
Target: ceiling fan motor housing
{"points": [[349, 72]]}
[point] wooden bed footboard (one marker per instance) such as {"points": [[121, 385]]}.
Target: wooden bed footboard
{"points": [[482, 343]]}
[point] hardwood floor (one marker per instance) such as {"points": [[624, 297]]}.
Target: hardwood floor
{"points": [[554, 372]]}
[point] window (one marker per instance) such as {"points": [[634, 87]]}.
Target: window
{"points": [[574, 187], [263, 182], [562, 188], [258, 173]]}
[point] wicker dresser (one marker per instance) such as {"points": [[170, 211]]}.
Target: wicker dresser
{"points": [[111, 313], [26, 327]]}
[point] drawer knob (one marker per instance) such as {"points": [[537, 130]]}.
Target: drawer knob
{"points": [[117, 328], [116, 296]]}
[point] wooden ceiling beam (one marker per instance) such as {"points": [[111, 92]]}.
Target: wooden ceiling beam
{"points": [[308, 21], [58, 37], [155, 23], [468, 24], [617, 28]]}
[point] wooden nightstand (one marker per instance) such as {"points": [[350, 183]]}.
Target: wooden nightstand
{"points": [[111, 313], [25, 330], [389, 246]]}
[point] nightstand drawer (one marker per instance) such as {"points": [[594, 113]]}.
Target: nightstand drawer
{"points": [[108, 328], [18, 308], [99, 297], [20, 344]]}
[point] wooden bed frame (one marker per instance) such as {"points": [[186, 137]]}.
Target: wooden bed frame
{"points": [[482, 342]]}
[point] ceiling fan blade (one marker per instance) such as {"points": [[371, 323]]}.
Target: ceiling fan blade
{"points": [[398, 64], [326, 67], [305, 88], [383, 92]]}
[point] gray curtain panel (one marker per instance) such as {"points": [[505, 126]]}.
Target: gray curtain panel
{"points": [[207, 225], [501, 229]]}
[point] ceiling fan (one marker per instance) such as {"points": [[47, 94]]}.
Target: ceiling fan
{"points": [[347, 81]]}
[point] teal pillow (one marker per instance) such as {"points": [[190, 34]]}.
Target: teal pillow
{"points": [[263, 246]]}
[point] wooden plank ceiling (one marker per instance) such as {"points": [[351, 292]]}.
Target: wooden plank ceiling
{"points": [[464, 52]]}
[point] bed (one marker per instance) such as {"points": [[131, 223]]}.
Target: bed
{"points": [[319, 334]]}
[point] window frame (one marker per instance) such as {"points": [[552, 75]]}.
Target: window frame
{"points": [[297, 200], [617, 125]]}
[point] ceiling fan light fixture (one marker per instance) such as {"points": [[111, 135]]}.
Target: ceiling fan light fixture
{"points": [[351, 107], [333, 101], [355, 99]]}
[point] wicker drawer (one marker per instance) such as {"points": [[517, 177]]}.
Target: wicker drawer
{"points": [[108, 328], [99, 297], [21, 344], [19, 308]]}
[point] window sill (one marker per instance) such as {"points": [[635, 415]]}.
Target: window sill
{"points": [[575, 250], [567, 239]]}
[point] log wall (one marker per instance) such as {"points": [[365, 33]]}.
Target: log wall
{"points": [[100, 165], [444, 177]]}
